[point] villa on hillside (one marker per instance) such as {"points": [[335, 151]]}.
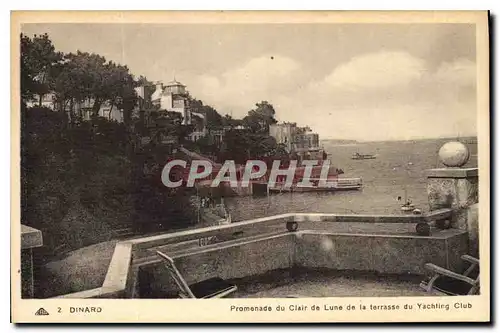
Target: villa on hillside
{"points": [[158, 104], [83, 109], [167, 100], [297, 140]]}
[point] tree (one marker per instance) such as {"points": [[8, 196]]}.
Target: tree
{"points": [[81, 77], [243, 144], [89, 77], [91, 168], [260, 118], [121, 90], [143, 81], [228, 121], [213, 119], [38, 59]]}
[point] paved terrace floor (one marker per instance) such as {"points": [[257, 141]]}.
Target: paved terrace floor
{"points": [[327, 283], [305, 282]]}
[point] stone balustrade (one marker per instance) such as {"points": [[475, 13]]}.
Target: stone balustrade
{"points": [[269, 243]]}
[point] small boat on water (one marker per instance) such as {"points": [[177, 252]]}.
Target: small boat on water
{"points": [[408, 206], [358, 156], [338, 184], [344, 184]]}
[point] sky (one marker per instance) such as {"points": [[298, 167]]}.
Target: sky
{"points": [[345, 81]]}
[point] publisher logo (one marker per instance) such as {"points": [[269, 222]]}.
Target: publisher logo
{"points": [[41, 312]]}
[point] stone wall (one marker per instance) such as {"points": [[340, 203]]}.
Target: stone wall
{"points": [[386, 254], [31, 238], [260, 245], [473, 229], [458, 189], [246, 259]]}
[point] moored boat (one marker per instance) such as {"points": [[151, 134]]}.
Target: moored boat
{"points": [[337, 184], [408, 206], [358, 156], [282, 188]]}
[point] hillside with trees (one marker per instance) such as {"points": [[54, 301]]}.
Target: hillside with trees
{"points": [[84, 178], [81, 180]]}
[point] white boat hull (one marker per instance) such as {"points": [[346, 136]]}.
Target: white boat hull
{"points": [[341, 184]]}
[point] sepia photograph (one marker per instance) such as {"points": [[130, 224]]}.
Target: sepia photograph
{"points": [[296, 166]]}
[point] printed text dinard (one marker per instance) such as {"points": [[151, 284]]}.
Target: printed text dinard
{"points": [[252, 170]]}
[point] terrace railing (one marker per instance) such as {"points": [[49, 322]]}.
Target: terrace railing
{"points": [[118, 275]]}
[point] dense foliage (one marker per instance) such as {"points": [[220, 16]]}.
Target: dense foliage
{"points": [[83, 178]]}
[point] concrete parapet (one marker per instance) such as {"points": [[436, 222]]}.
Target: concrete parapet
{"points": [[30, 238], [246, 258], [457, 189], [473, 229], [260, 245], [387, 254], [453, 188], [458, 173]]}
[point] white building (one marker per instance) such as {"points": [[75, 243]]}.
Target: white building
{"points": [[172, 97], [294, 138]]}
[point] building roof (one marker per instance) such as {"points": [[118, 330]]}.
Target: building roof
{"points": [[174, 83]]}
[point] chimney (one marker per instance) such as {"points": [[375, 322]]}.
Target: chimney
{"points": [[159, 85]]}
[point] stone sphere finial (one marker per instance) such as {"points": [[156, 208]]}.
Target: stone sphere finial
{"points": [[454, 154]]}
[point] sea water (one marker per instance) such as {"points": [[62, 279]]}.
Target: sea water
{"points": [[400, 166]]}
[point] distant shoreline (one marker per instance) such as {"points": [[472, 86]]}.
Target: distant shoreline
{"points": [[467, 139]]}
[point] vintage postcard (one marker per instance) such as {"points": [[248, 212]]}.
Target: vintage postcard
{"points": [[250, 167]]}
